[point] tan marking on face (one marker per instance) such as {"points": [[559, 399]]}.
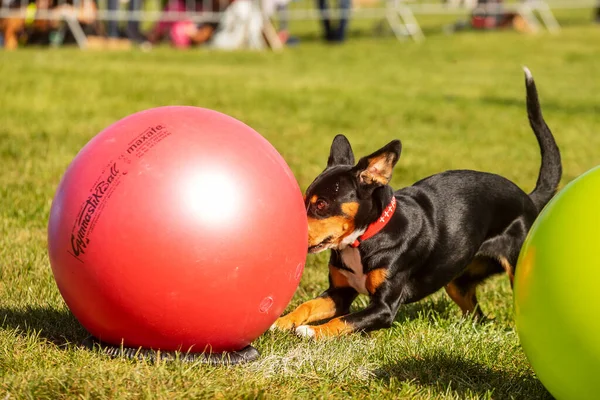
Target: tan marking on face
{"points": [[375, 278], [337, 278], [314, 199], [335, 227], [335, 327], [310, 311], [350, 209]]}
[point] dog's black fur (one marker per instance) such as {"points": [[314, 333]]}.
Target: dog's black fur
{"points": [[452, 230]]}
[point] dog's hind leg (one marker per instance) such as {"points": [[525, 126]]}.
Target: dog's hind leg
{"points": [[506, 247], [462, 290], [496, 255]]}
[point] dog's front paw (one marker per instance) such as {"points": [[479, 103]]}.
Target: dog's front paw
{"points": [[305, 331], [283, 324], [334, 328]]}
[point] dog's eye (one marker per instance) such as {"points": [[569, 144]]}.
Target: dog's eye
{"points": [[321, 205]]}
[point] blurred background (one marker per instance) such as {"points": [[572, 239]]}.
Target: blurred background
{"points": [[237, 24]]}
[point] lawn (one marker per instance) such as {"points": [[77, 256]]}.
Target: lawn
{"points": [[454, 101]]}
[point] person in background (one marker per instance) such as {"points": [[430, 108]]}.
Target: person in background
{"points": [[184, 33], [132, 31], [335, 34]]}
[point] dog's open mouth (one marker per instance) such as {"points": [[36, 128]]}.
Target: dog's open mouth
{"points": [[321, 246]]}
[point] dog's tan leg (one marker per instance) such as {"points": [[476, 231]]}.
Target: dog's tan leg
{"points": [[465, 298], [333, 328], [310, 311], [462, 290], [322, 307]]}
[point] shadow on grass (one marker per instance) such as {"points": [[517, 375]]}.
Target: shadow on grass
{"points": [[462, 377], [428, 309], [57, 326]]}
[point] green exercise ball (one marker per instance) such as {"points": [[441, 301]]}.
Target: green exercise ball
{"points": [[557, 292]]}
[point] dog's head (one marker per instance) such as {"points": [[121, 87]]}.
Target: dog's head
{"points": [[345, 198]]}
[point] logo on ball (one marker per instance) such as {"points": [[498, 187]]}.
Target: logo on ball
{"points": [[85, 218]]}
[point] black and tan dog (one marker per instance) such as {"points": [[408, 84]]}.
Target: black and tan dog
{"points": [[451, 230]]}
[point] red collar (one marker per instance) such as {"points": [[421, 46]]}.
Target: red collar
{"points": [[377, 225]]}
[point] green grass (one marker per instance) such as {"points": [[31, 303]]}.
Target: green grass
{"points": [[454, 101]]}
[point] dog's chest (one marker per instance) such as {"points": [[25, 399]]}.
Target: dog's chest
{"points": [[357, 278]]}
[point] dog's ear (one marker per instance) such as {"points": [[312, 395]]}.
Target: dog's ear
{"points": [[376, 169], [341, 152]]}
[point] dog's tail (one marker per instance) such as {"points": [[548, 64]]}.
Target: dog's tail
{"points": [[551, 168]]}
